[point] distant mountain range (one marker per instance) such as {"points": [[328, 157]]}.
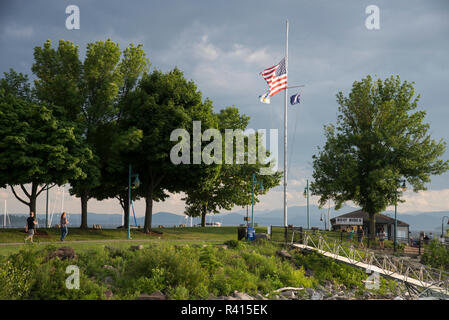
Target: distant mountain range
{"points": [[297, 215]]}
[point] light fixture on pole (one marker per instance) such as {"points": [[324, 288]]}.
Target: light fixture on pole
{"points": [[261, 189], [306, 195], [135, 185], [404, 188], [442, 225]]}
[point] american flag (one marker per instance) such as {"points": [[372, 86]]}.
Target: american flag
{"points": [[276, 77]]}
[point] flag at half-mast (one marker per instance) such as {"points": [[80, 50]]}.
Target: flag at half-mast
{"points": [[276, 77]]}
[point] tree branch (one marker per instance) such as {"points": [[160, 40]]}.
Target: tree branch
{"points": [[18, 198], [46, 187], [25, 191]]}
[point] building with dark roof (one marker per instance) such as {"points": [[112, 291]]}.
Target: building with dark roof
{"points": [[357, 218]]}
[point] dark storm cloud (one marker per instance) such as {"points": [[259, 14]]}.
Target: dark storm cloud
{"points": [[223, 45]]}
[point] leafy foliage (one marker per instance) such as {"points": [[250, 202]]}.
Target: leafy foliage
{"points": [[379, 138]]}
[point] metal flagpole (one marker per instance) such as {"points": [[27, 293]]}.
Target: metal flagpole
{"points": [[285, 128]]}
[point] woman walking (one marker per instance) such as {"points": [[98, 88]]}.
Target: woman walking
{"points": [[64, 223], [381, 238]]}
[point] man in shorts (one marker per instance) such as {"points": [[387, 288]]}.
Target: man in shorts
{"points": [[31, 222], [360, 235]]}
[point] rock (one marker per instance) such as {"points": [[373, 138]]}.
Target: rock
{"points": [[108, 280], [284, 254], [242, 296], [138, 247], [261, 297], [108, 294], [317, 296], [221, 246], [108, 267], [156, 295], [310, 291], [261, 236], [288, 294], [62, 254], [398, 298], [308, 272]]}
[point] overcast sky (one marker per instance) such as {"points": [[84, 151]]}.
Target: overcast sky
{"points": [[224, 45]]}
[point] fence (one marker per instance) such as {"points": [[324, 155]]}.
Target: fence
{"points": [[419, 280]]}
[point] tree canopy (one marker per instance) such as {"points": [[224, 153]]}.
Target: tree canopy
{"points": [[380, 138]]}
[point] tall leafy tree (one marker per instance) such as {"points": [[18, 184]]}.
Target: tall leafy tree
{"points": [[89, 93], [380, 138], [37, 147], [222, 186], [162, 103]]}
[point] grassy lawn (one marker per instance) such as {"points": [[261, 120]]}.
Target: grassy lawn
{"points": [[11, 240]]}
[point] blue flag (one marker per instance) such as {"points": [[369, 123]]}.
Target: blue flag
{"points": [[294, 99]]}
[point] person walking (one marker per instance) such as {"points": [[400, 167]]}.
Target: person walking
{"points": [[29, 228], [64, 228], [381, 238], [350, 235], [360, 235]]}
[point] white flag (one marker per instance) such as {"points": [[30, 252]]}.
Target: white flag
{"points": [[265, 98]]}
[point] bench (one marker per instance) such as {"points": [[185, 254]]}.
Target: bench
{"points": [[412, 250]]}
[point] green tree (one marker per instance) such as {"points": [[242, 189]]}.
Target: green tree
{"points": [[37, 148], [222, 186], [89, 92], [379, 139], [162, 103]]}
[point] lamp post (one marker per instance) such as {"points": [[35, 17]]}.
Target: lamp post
{"points": [[260, 188], [403, 187], [442, 225], [136, 185], [306, 195]]}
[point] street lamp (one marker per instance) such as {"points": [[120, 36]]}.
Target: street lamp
{"points": [[306, 195], [404, 188], [261, 189], [135, 184], [442, 225]]}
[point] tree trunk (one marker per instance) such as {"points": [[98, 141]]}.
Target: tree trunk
{"points": [[148, 211], [126, 213], [203, 216], [84, 199], [372, 227], [33, 198], [124, 204], [203, 219]]}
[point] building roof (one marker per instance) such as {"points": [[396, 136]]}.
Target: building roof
{"points": [[380, 218]]}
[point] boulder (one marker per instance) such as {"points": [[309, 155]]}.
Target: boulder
{"points": [[62, 254], [288, 294], [284, 254], [221, 246], [108, 294], [260, 297], [317, 296], [108, 267], [138, 247], [261, 236], [156, 295], [242, 296]]}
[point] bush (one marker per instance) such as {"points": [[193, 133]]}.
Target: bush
{"points": [[436, 255]]}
